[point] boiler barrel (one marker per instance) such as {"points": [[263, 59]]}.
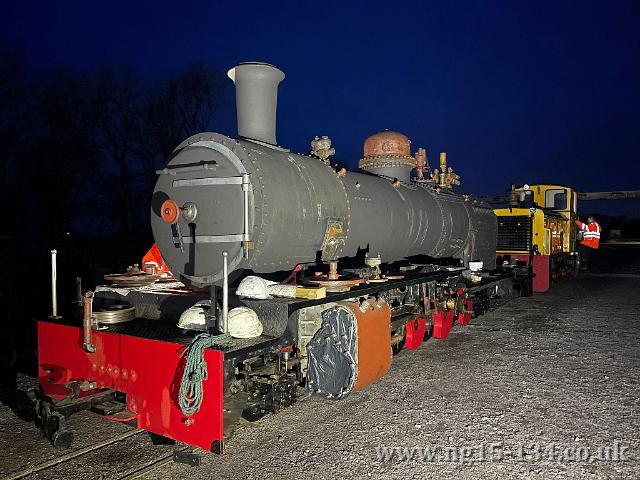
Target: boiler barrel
{"points": [[271, 209]]}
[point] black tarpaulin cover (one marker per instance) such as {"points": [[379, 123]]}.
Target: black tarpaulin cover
{"points": [[333, 353]]}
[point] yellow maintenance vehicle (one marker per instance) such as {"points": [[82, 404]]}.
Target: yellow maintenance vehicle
{"points": [[538, 229]]}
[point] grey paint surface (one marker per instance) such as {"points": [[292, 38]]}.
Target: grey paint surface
{"points": [[294, 200], [402, 174], [256, 99]]}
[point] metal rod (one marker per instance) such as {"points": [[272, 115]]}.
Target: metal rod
{"points": [[425, 299], [79, 290], [54, 284], [213, 321], [87, 322], [225, 291], [245, 214]]}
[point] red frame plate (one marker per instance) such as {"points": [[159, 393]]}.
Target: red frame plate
{"points": [[148, 371], [442, 323]]}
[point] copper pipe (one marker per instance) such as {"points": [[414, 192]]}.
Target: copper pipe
{"points": [[443, 169], [333, 271], [87, 322], [421, 163]]}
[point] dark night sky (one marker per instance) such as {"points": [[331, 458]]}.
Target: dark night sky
{"points": [[513, 91]]}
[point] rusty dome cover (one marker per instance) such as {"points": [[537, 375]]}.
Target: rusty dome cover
{"points": [[387, 144]]}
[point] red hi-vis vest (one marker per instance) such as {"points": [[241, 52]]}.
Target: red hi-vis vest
{"points": [[590, 233]]}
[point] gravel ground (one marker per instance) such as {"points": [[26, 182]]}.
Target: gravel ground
{"points": [[559, 369]]}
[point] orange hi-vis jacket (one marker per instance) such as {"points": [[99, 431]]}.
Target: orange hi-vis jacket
{"points": [[590, 233]]}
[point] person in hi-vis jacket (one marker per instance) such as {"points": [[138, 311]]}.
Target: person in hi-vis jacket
{"points": [[590, 240]]}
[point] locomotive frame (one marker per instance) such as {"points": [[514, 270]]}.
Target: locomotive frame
{"points": [[134, 373]]}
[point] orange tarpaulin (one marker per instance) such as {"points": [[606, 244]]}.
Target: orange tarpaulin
{"points": [[153, 258]]}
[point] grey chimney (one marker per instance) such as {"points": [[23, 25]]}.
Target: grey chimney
{"points": [[256, 100]]}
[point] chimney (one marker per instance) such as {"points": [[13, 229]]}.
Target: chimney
{"points": [[256, 100]]}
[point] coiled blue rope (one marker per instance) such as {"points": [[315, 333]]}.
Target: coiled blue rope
{"points": [[195, 371]]}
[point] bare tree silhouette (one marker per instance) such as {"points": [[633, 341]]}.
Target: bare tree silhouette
{"points": [[78, 153], [116, 109], [14, 110], [86, 145], [138, 126], [177, 108]]}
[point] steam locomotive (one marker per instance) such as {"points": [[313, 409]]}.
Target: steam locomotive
{"points": [[376, 261]]}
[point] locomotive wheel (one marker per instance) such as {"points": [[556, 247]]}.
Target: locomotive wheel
{"points": [[62, 439]]}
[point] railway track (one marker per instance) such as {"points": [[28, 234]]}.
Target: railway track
{"points": [[70, 456], [59, 463], [61, 466], [141, 471]]}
